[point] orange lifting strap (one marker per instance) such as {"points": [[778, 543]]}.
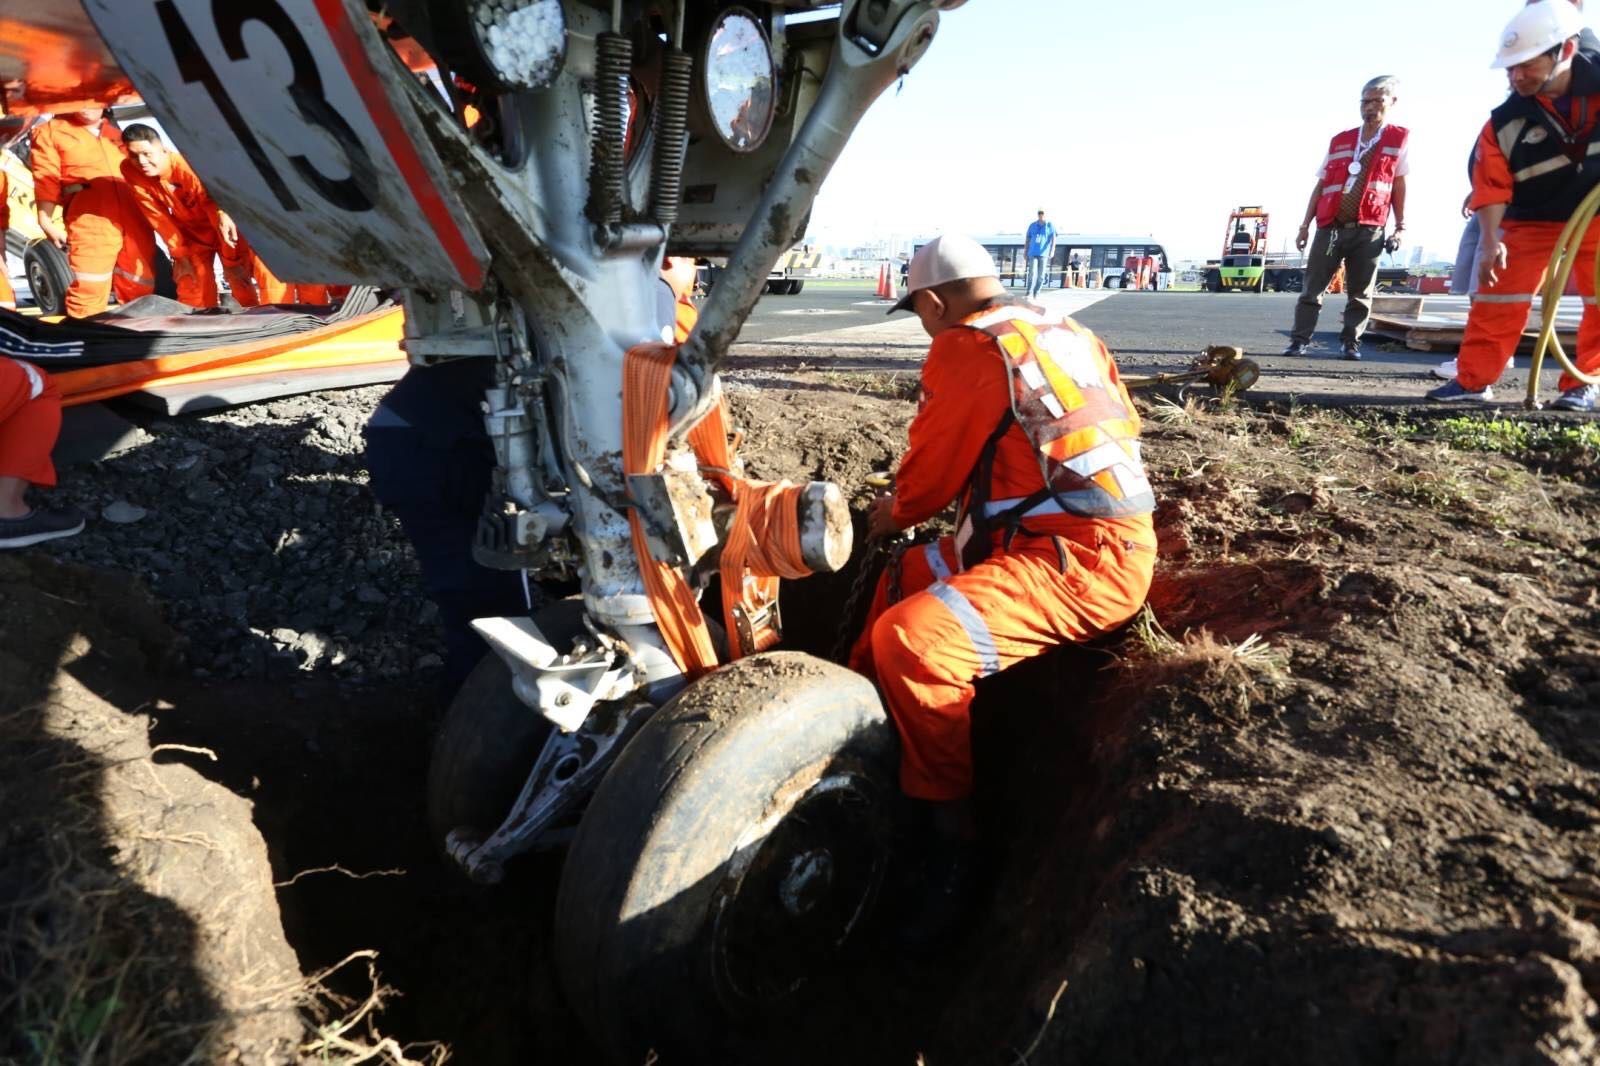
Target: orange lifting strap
{"points": [[763, 540]]}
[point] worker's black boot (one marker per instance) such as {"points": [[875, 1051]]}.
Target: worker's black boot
{"points": [[940, 880], [1295, 348], [937, 905]]}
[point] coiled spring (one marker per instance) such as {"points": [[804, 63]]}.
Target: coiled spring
{"points": [[613, 63]]}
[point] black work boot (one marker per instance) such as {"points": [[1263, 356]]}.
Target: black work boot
{"points": [[940, 878], [939, 903], [1295, 348], [1352, 351]]}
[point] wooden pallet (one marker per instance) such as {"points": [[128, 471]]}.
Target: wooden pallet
{"points": [[1410, 321]]}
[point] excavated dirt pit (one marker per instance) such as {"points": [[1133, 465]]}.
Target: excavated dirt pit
{"points": [[1338, 806]]}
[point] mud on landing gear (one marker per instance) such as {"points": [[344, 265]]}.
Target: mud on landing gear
{"points": [[729, 860]]}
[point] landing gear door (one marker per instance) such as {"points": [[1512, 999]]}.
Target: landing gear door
{"points": [[293, 114]]}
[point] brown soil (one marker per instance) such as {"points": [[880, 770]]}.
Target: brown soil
{"points": [[1370, 835]]}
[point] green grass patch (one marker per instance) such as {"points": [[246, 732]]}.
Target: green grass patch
{"points": [[1518, 437]]}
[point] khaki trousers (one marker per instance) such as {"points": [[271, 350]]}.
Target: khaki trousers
{"points": [[1358, 248]]}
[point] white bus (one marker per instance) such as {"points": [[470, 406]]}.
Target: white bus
{"points": [[1101, 256]]}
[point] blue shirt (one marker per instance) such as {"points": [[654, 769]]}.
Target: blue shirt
{"points": [[1041, 237]]}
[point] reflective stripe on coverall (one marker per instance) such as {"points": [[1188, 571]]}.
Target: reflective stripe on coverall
{"points": [[30, 420], [1064, 578], [178, 208], [109, 244]]}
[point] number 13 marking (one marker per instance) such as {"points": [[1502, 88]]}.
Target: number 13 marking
{"points": [[350, 194]]}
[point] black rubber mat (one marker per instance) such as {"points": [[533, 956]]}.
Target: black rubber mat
{"points": [[154, 325]]}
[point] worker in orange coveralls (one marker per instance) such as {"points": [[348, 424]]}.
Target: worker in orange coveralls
{"points": [[30, 420], [77, 162], [274, 291], [195, 230], [1532, 168], [1010, 398]]}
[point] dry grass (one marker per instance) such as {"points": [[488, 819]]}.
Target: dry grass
{"points": [[1229, 677], [346, 1032]]}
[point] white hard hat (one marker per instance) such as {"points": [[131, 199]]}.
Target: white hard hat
{"points": [[943, 259], [1537, 28]]}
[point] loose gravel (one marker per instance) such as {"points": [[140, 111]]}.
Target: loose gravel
{"points": [[256, 529]]}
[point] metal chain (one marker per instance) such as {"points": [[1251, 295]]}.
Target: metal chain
{"points": [[866, 579]]}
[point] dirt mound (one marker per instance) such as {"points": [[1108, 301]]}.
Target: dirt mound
{"points": [[137, 917], [1373, 839]]}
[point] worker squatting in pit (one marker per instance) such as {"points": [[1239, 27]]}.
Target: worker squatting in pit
{"points": [[1025, 426]]}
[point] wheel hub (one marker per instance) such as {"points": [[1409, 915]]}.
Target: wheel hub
{"points": [[809, 878], [796, 893]]}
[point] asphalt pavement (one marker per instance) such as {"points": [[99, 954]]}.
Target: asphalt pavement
{"points": [[840, 324]]}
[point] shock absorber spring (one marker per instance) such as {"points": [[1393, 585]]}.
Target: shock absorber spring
{"points": [[613, 64], [666, 184]]}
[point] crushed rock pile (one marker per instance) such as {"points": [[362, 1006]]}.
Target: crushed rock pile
{"points": [[257, 530]]}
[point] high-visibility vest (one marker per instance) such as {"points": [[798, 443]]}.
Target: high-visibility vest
{"points": [[1552, 168], [1067, 400], [1378, 175]]}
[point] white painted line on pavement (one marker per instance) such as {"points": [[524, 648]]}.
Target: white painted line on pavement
{"points": [[907, 328]]}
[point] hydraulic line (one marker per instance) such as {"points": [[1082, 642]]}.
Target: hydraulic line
{"points": [[1563, 258]]}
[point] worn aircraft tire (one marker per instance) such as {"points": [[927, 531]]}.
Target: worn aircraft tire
{"points": [[488, 740], [795, 287], [728, 860], [48, 275]]}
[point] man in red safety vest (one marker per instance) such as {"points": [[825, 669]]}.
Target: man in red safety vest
{"points": [[1025, 425], [1362, 180], [1535, 163]]}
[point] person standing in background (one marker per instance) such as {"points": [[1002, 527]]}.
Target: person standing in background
{"points": [[1041, 248], [1361, 182]]}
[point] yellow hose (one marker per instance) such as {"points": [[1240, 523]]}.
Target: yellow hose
{"points": [[1562, 259]]}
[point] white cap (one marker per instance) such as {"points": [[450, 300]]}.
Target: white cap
{"points": [[949, 258], [1537, 28]]}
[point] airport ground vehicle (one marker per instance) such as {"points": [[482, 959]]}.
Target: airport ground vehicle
{"points": [[732, 832], [1245, 264], [789, 273]]}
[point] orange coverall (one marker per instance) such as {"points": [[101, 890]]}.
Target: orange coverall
{"points": [[8, 295], [183, 214], [1074, 579], [109, 244], [1499, 311], [274, 291], [30, 420]]}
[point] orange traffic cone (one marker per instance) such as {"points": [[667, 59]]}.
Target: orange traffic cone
{"points": [[885, 284]]}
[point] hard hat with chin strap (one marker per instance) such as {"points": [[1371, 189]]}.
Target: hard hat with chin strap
{"points": [[1537, 28]]}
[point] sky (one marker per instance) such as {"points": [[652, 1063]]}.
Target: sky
{"points": [[1160, 117]]}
